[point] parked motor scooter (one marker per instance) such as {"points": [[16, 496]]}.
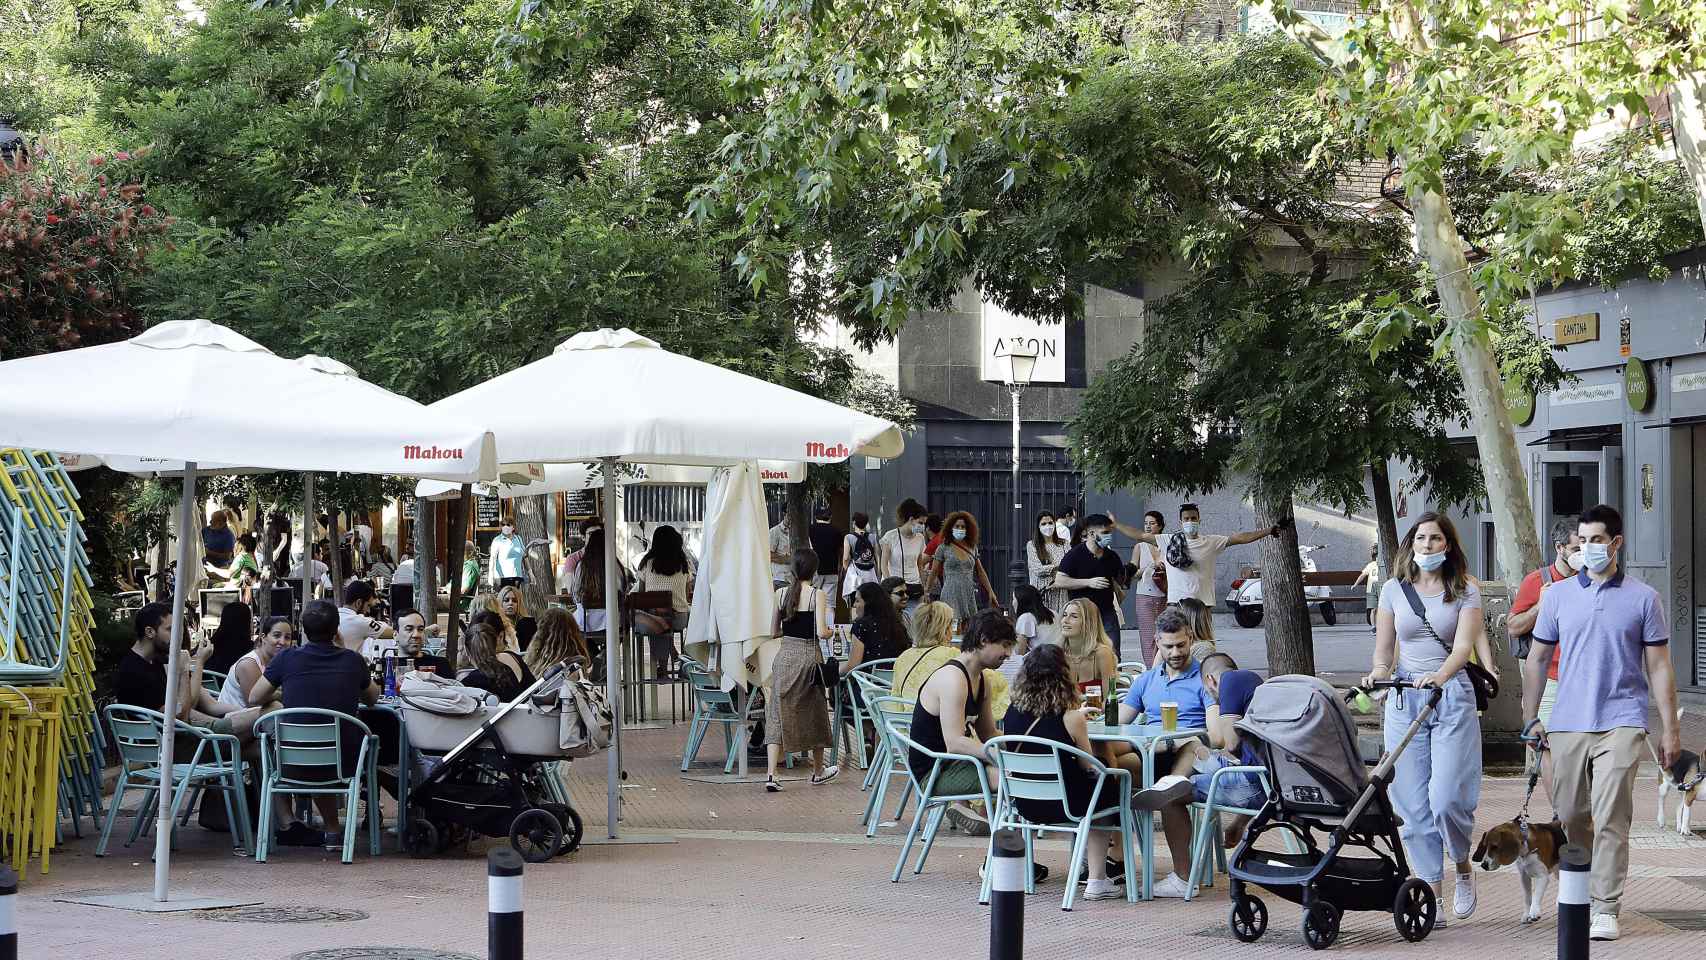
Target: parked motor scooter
{"points": [[1245, 597]]}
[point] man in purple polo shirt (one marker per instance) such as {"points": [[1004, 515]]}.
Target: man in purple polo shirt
{"points": [[1614, 649]]}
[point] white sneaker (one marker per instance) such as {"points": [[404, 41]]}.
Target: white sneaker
{"points": [[1463, 898], [1604, 927], [1166, 792], [1173, 887], [1103, 890]]}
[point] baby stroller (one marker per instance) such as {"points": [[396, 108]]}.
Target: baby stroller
{"points": [[1304, 734], [492, 779]]}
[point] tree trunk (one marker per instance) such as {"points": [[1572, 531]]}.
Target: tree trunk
{"points": [[458, 534], [1501, 461], [426, 559], [1285, 615], [1688, 124], [798, 516], [334, 562], [530, 524], [1386, 520]]}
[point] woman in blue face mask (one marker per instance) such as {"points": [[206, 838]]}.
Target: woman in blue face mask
{"points": [[1428, 623], [957, 569]]}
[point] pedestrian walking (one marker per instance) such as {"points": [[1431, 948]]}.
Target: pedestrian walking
{"points": [[826, 541], [1613, 658], [1525, 610], [901, 550], [1437, 783], [858, 556], [1043, 553], [796, 710], [958, 571], [1090, 570], [1149, 586]]}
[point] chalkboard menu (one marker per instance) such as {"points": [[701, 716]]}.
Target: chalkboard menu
{"points": [[580, 504], [488, 513]]}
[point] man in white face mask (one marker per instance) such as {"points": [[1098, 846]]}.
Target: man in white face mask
{"points": [[1614, 657], [1190, 554]]}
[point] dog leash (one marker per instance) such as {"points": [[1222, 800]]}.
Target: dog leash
{"points": [[1535, 746]]}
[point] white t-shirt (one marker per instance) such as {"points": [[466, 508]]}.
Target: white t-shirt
{"points": [[1371, 578], [322, 573], [1148, 558], [357, 631], [1198, 581], [405, 572], [779, 544], [900, 554]]}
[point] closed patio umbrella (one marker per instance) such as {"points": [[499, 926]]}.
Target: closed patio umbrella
{"points": [[162, 399], [616, 397]]}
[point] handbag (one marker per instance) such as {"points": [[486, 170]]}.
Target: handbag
{"points": [[1485, 685], [829, 673], [586, 717], [1178, 554]]}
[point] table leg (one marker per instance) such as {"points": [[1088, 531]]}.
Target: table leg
{"points": [[1148, 827]]}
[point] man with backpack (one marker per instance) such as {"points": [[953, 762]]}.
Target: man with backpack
{"points": [[858, 557]]}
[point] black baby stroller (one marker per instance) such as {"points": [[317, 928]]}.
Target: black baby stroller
{"points": [[1304, 734], [493, 780]]}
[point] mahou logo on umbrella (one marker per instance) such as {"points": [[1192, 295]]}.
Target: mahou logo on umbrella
{"points": [[825, 451], [417, 452]]}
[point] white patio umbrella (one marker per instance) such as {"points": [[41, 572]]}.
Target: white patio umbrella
{"points": [[732, 605], [617, 397], [162, 396], [573, 477]]}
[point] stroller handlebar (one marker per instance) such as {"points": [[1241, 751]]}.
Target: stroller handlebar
{"points": [[1396, 683]]}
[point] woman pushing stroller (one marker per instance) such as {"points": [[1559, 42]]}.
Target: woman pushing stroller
{"points": [[1437, 780]]}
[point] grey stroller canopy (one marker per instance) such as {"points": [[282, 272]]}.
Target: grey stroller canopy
{"points": [[1312, 739]]}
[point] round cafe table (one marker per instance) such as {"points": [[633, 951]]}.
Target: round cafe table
{"points": [[1144, 738]]}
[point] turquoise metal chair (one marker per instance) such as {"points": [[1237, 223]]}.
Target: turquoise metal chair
{"points": [[212, 681], [851, 713], [871, 690], [888, 713], [712, 705], [932, 801], [1207, 852], [1032, 768], [302, 755], [215, 764]]}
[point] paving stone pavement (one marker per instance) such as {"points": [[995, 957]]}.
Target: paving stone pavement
{"points": [[752, 874]]}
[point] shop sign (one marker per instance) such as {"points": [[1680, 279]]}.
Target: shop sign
{"points": [[1686, 382], [1638, 385], [1002, 331], [1587, 393], [1519, 402], [1576, 328]]}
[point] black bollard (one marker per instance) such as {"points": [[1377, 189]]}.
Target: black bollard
{"points": [[1007, 897], [503, 904], [1573, 901], [8, 914]]}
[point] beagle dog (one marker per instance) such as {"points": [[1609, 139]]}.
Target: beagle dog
{"points": [[1684, 777], [1533, 847]]}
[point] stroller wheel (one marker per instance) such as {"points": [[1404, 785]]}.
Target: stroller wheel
{"points": [[1249, 919], [571, 822], [1320, 925], [536, 835], [1413, 913], [422, 840]]}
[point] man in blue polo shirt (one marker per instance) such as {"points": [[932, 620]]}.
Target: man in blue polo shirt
{"points": [[1614, 651], [1178, 680]]}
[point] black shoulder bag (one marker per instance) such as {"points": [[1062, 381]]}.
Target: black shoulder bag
{"points": [[1486, 686]]}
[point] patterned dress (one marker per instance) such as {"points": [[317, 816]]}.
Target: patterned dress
{"points": [[959, 583]]}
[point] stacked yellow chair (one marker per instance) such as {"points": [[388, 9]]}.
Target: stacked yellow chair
{"points": [[50, 743]]}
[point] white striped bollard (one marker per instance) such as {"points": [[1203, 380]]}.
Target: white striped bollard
{"points": [[503, 904], [1007, 897], [8, 914], [1573, 901]]}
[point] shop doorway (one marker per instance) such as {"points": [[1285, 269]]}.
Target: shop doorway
{"points": [[1563, 483]]}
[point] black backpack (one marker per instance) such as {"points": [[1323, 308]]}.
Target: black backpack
{"points": [[864, 555]]}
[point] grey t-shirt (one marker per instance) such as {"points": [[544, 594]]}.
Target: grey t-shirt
{"points": [[1418, 652]]}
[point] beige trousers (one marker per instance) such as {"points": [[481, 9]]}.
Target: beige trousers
{"points": [[1593, 792]]}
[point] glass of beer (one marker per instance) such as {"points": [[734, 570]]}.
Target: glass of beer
{"points": [[1169, 716], [1093, 695]]}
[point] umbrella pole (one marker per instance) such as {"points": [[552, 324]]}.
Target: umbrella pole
{"points": [[309, 581], [163, 828], [612, 668]]}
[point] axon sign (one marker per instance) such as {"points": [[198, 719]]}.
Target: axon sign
{"points": [[1002, 331], [827, 451], [417, 452]]}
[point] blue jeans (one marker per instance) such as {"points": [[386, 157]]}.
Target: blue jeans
{"points": [[1236, 790], [1437, 782]]}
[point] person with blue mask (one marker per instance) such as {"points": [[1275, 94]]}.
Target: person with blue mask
{"points": [[1090, 570], [957, 572], [1437, 782]]}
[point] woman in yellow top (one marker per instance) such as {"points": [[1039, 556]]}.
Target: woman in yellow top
{"points": [[1089, 653]]}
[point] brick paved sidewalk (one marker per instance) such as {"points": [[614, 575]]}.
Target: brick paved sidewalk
{"points": [[759, 875]]}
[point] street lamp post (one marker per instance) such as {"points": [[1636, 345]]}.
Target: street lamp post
{"points": [[1021, 364]]}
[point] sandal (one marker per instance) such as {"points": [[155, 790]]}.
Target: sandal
{"points": [[772, 785]]}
